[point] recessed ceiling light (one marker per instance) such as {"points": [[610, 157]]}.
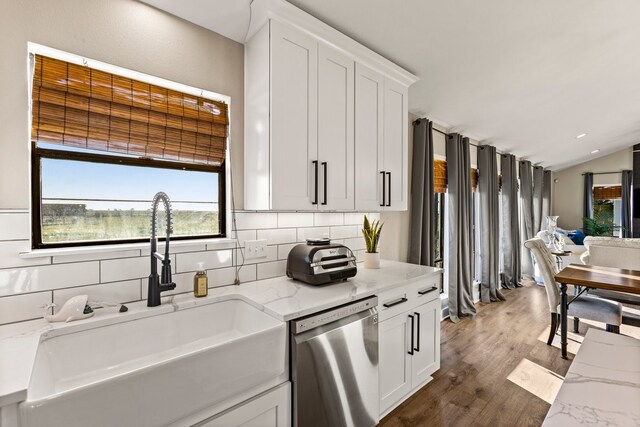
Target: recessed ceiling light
{"points": [[595, 151], [582, 135]]}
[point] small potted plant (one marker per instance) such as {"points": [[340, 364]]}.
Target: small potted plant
{"points": [[371, 232]]}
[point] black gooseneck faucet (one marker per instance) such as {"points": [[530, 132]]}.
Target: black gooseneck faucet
{"points": [[158, 284]]}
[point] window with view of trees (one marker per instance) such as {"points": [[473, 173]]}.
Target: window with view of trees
{"points": [[103, 145]]}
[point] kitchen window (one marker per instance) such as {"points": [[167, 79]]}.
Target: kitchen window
{"points": [[103, 144]]}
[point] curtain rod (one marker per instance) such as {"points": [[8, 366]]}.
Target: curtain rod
{"points": [[446, 134], [602, 173]]}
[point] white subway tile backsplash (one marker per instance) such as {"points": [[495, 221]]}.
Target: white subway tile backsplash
{"points": [[118, 292], [295, 219], [227, 276], [374, 216], [116, 270], [48, 277], [121, 276], [176, 249], [268, 270], [271, 251], [15, 226], [278, 236], [17, 308], [251, 220], [244, 235], [323, 219], [354, 218], [96, 256], [344, 232], [10, 255], [210, 259], [312, 233], [217, 277], [283, 250], [355, 244]]}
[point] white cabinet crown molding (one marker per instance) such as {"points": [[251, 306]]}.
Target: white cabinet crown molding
{"points": [[281, 10]]}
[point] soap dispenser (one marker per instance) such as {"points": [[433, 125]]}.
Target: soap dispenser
{"points": [[200, 282]]}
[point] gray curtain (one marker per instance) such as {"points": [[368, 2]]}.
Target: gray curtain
{"points": [[546, 198], [538, 191], [489, 224], [460, 251], [587, 200], [526, 215], [627, 178], [422, 223], [510, 223]]}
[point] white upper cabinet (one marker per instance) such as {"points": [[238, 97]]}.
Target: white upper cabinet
{"points": [[324, 117], [335, 129], [294, 118], [369, 137], [396, 145]]}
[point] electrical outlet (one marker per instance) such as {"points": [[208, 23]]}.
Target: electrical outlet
{"points": [[255, 249]]}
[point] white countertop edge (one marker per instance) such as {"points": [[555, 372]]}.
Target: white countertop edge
{"points": [[19, 341]]}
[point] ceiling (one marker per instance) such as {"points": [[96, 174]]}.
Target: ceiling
{"points": [[525, 76]]}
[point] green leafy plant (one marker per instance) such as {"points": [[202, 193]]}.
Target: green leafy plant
{"points": [[371, 232], [602, 222], [595, 227]]}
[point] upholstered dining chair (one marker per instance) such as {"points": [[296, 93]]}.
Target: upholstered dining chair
{"points": [[585, 307]]}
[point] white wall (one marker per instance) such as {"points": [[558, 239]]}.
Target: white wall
{"points": [[125, 33], [568, 190]]}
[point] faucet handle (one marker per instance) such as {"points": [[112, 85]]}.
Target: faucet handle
{"points": [[167, 287], [166, 271]]}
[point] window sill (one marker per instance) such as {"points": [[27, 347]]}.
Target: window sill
{"points": [[218, 243]]}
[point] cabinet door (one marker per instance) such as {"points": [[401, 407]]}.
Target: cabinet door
{"points": [[426, 357], [272, 409], [368, 138], [394, 370], [396, 148], [294, 148], [335, 129]]}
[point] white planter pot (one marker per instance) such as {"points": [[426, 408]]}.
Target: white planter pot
{"points": [[371, 260]]}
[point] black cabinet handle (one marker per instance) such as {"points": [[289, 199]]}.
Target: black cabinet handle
{"points": [[394, 302], [412, 334], [315, 174], [426, 291], [418, 334], [384, 189], [389, 184], [324, 166]]}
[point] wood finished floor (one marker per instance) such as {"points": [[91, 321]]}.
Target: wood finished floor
{"points": [[471, 388]]}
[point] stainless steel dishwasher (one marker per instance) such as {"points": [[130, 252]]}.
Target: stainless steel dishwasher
{"points": [[334, 367]]}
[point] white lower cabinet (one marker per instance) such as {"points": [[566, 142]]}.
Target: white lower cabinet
{"points": [[409, 346], [270, 409]]}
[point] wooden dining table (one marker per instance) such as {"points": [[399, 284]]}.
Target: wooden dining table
{"points": [[592, 277]]}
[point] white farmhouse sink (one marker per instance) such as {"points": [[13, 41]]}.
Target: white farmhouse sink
{"points": [[156, 370]]}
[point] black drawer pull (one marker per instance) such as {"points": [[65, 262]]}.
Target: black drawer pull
{"points": [[389, 184], [395, 302], [412, 334], [324, 165], [315, 184], [384, 189], [417, 348], [426, 291]]}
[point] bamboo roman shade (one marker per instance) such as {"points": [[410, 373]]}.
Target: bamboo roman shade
{"points": [[440, 177], [78, 106], [607, 193]]}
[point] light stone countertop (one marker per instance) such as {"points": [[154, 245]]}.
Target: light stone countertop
{"points": [[280, 297], [602, 387]]}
